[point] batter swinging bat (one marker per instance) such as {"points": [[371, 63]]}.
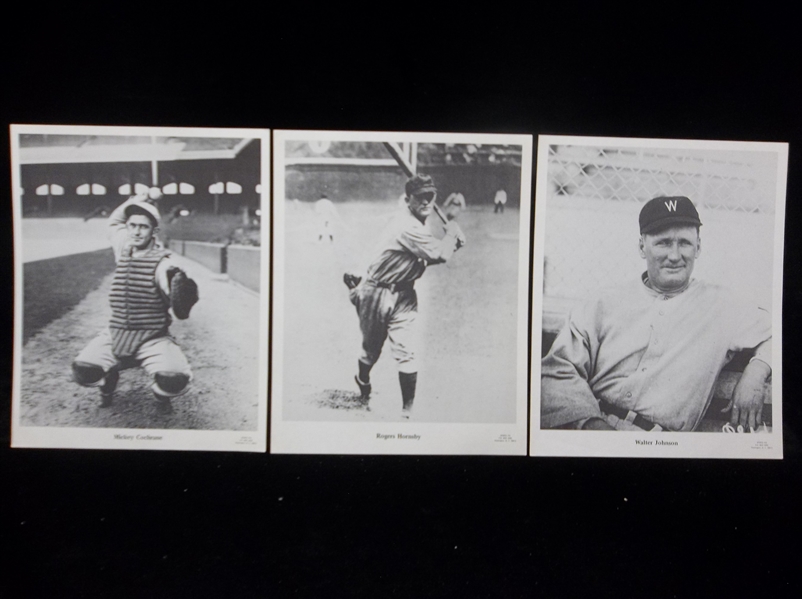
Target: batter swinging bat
{"points": [[396, 153]]}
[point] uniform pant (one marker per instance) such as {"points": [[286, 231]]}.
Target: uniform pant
{"points": [[387, 313], [160, 355]]}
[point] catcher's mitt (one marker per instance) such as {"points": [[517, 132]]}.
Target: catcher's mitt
{"points": [[183, 293]]}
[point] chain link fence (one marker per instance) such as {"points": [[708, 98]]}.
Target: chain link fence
{"points": [[595, 195]]}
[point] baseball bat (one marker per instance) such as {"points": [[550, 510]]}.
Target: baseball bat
{"points": [[396, 153]]}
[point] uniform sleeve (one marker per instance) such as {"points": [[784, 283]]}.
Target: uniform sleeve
{"points": [[162, 282], [420, 242], [753, 330], [565, 394]]}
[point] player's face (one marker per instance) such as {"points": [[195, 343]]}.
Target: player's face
{"points": [[140, 230], [670, 256], [421, 204]]}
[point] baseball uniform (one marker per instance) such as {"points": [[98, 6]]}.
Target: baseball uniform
{"points": [[654, 355], [138, 332], [499, 200], [326, 213], [386, 301]]}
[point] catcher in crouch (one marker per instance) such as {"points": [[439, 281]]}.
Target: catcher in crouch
{"points": [[385, 300], [146, 285]]}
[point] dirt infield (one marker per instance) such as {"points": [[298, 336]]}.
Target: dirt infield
{"points": [[220, 339], [467, 316]]}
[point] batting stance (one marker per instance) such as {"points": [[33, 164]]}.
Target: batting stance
{"points": [[146, 285], [385, 299]]}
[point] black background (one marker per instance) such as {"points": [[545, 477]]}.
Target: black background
{"points": [[178, 524]]}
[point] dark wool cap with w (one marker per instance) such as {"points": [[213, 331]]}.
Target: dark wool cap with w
{"points": [[661, 213], [420, 184]]}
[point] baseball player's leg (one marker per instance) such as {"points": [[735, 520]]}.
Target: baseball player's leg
{"points": [[163, 360], [372, 307], [96, 366], [402, 332]]}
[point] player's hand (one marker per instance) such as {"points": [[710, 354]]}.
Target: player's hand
{"points": [[747, 398]]}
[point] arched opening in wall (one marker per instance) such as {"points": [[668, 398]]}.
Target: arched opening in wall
{"points": [[95, 189], [172, 189], [220, 188], [49, 190]]}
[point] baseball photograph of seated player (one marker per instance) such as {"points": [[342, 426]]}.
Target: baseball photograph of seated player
{"points": [[400, 296], [141, 312], [657, 280]]}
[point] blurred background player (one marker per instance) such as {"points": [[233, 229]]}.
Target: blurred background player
{"points": [[326, 213], [454, 204], [385, 298], [499, 200], [140, 298]]}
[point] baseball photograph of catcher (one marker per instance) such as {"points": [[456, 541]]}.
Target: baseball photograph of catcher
{"points": [[657, 285], [400, 297], [141, 312]]}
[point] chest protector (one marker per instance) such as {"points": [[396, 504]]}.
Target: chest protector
{"points": [[139, 312]]}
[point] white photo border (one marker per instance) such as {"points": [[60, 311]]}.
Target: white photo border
{"points": [[127, 438], [567, 443], [303, 437]]}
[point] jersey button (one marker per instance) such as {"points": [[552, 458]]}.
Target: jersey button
{"points": [[629, 394]]}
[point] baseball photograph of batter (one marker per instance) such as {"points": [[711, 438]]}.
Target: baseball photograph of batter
{"points": [[400, 296], [658, 296], [139, 320]]}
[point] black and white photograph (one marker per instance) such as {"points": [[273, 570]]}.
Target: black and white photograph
{"points": [[401, 275], [658, 286], [141, 300]]}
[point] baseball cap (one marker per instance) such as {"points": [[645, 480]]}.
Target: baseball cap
{"points": [[662, 212], [145, 209], [420, 184]]}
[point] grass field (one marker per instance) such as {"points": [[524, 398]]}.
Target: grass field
{"points": [[52, 287], [467, 319]]}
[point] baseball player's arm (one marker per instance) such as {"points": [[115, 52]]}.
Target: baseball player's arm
{"points": [[118, 235], [566, 399], [426, 246], [753, 330], [162, 278], [747, 397]]}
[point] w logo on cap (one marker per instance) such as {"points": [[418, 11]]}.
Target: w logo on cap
{"points": [[664, 211]]}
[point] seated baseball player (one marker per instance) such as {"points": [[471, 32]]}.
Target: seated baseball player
{"points": [[647, 356], [385, 300], [146, 286]]}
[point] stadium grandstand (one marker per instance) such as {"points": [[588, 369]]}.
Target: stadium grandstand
{"points": [[76, 175], [358, 170]]}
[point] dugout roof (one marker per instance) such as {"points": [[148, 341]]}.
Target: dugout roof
{"points": [[61, 149]]}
